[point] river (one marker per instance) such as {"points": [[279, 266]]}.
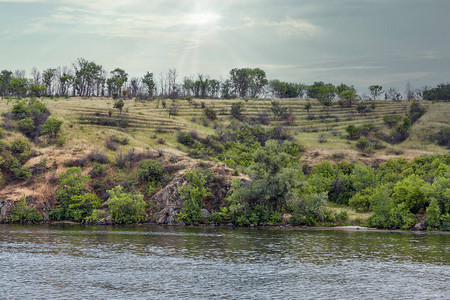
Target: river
{"points": [[154, 262]]}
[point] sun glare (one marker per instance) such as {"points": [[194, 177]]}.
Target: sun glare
{"points": [[202, 18]]}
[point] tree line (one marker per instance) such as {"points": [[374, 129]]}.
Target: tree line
{"points": [[88, 79]]}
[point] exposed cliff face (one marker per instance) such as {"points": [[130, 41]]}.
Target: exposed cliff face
{"points": [[168, 201], [6, 207]]}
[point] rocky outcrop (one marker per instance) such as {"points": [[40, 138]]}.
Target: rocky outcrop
{"points": [[6, 207], [169, 203]]}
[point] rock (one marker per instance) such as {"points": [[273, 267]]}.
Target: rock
{"points": [[206, 213], [105, 221], [6, 207], [422, 225]]}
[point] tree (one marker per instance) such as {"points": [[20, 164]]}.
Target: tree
{"points": [[5, 78], [248, 82], [119, 104], [312, 91], [349, 96], [375, 91], [361, 108], [344, 88], [52, 127], [85, 73], [237, 108], [150, 84], [326, 95], [47, 77], [65, 80], [393, 94], [308, 106], [118, 79], [18, 86]]}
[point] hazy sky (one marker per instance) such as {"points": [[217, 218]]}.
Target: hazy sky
{"points": [[358, 42]]}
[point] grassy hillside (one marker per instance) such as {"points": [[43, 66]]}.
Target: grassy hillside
{"points": [[149, 122], [151, 132]]}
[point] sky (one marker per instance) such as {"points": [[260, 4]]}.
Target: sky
{"points": [[359, 42]]}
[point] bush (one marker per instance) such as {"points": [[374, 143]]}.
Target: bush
{"points": [[210, 114], [52, 127], [80, 207], [185, 139], [152, 171], [364, 145], [98, 157], [309, 209], [26, 126], [410, 191], [192, 195], [71, 183], [24, 213], [237, 109], [322, 138], [21, 149], [126, 208]]}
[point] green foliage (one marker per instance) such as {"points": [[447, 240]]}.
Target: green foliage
{"points": [[278, 110], [80, 207], [375, 91], [410, 191], [126, 208], [392, 120], [24, 213], [401, 217], [193, 194], [210, 113], [309, 209], [95, 216], [237, 109], [71, 183], [52, 127], [75, 203], [21, 149], [365, 146], [152, 171], [119, 104], [26, 126], [441, 92]]}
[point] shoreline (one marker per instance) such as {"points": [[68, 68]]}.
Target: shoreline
{"points": [[349, 228]]}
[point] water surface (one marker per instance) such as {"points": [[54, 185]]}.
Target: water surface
{"points": [[152, 262]]}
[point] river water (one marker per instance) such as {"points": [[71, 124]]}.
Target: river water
{"points": [[152, 262]]}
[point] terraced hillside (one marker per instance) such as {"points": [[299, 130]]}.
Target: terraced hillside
{"points": [[148, 123]]}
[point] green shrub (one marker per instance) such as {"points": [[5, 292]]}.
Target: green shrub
{"points": [[95, 216], [237, 109], [364, 145], [411, 192], [26, 126], [22, 173], [216, 218], [152, 171], [210, 113], [401, 217], [21, 149], [71, 183], [126, 208], [309, 209], [52, 127], [360, 201], [192, 195], [24, 213], [81, 207]]}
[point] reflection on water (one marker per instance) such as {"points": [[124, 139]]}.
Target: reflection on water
{"points": [[178, 262]]}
